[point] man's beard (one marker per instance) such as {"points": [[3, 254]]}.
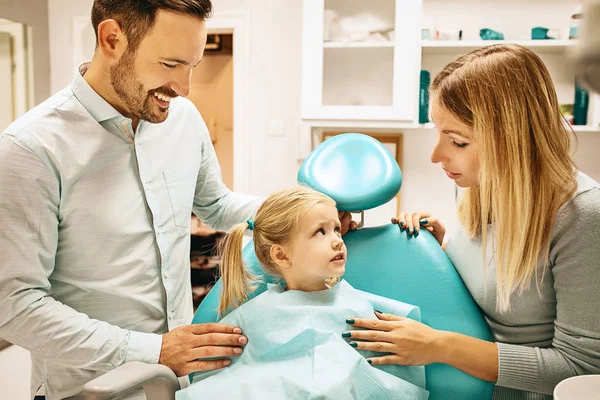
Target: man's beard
{"points": [[131, 92]]}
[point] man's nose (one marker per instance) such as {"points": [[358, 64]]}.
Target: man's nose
{"points": [[184, 84]]}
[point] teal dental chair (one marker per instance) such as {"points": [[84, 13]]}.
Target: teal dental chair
{"points": [[359, 174]]}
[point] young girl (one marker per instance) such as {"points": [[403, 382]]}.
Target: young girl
{"points": [[527, 248], [296, 347]]}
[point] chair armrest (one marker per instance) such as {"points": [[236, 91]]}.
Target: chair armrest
{"points": [[158, 381]]}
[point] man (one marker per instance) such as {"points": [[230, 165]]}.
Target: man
{"points": [[96, 191], [97, 185]]}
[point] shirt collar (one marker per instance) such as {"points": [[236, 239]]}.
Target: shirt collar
{"points": [[98, 108]]}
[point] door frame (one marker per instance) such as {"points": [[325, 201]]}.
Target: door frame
{"points": [[237, 25]]}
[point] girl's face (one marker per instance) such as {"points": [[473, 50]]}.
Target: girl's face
{"points": [[455, 148], [317, 252]]}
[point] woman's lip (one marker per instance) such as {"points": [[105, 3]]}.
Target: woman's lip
{"points": [[451, 175]]}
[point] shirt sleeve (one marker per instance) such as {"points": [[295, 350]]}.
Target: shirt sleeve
{"points": [[29, 316], [214, 203], [575, 264]]}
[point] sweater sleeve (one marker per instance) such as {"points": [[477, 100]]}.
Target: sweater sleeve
{"points": [[575, 266]]}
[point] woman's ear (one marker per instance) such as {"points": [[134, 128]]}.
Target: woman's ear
{"points": [[279, 256]]}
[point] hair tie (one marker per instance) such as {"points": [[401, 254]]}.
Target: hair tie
{"points": [[250, 224]]}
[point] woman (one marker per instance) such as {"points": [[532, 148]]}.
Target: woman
{"points": [[528, 245]]}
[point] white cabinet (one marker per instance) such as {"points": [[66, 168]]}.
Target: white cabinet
{"points": [[374, 81], [515, 20], [360, 59]]}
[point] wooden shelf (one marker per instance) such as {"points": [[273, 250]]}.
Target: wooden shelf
{"points": [[356, 45], [464, 46]]}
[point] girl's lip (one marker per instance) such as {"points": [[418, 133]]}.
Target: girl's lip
{"points": [[337, 255]]}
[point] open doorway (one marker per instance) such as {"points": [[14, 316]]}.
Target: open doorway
{"points": [[212, 94]]}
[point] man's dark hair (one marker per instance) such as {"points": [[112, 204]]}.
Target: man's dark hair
{"points": [[136, 17]]}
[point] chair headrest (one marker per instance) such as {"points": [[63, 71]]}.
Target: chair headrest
{"points": [[355, 170]]}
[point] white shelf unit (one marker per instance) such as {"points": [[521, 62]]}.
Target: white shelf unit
{"points": [[371, 80], [456, 46], [514, 19], [362, 80], [354, 45], [576, 128]]}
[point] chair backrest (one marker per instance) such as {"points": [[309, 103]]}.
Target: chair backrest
{"points": [[386, 261]]}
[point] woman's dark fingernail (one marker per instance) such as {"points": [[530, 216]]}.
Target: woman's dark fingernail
{"points": [[416, 233], [424, 222], [353, 344], [402, 224], [409, 231], [370, 362], [350, 321], [377, 311], [346, 334]]}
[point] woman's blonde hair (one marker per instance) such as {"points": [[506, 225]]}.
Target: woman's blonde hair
{"points": [[276, 223], [526, 171]]}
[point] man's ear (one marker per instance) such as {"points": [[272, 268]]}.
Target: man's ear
{"points": [[112, 42], [279, 256]]}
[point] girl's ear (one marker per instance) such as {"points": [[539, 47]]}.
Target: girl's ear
{"points": [[279, 256]]}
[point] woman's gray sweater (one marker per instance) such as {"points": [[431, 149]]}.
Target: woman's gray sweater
{"points": [[552, 331]]}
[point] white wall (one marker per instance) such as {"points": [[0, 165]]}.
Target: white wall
{"points": [[60, 24]]}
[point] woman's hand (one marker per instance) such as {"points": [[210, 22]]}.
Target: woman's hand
{"points": [[413, 223], [409, 341], [413, 343]]}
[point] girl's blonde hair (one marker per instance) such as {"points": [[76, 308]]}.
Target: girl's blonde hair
{"points": [[526, 172], [276, 223]]}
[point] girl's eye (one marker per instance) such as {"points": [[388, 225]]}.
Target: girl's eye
{"points": [[460, 145], [169, 65], [321, 231], [338, 229]]}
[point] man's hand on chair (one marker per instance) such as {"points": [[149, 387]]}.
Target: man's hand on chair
{"points": [[346, 221], [415, 221], [183, 346]]}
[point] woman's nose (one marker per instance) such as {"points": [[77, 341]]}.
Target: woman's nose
{"points": [[437, 155]]}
